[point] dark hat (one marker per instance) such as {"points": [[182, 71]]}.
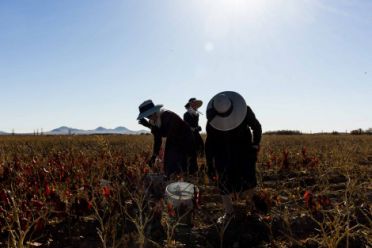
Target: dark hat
{"points": [[147, 108], [226, 110], [193, 99]]}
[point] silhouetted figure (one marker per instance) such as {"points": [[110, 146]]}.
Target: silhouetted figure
{"points": [[231, 151], [179, 152], [191, 117]]}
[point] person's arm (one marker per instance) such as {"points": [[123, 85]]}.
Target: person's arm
{"points": [[144, 122], [255, 125], [157, 140], [157, 144]]}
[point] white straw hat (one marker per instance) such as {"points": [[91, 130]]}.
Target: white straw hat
{"points": [[226, 110]]}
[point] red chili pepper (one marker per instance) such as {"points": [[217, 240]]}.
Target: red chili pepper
{"points": [[309, 200], [146, 170], [47, 190], [106, 191], [171, 211]]}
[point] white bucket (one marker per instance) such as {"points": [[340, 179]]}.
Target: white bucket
{"points": [[180, 193]]}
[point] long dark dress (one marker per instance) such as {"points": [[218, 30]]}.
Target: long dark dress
{"points": [[231, 156], [193, 121], [180, 152]]}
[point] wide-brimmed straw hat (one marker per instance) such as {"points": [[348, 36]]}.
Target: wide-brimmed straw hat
{"points": [[226, 110], [197, 102], [147, 108]]}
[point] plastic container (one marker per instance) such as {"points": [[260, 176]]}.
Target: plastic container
{"points": [[180, 194]]}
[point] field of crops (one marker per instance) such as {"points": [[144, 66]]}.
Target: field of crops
{"points": [[93, 191]]}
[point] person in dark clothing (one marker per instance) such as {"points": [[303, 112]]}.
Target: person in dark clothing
{"points": [[179, 152], [231, 150], [191, 117]]}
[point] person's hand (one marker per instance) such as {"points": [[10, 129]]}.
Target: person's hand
{"points": [[144, 122], [256, 148], [151, 162]]}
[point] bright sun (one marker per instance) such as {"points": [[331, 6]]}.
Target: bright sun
{"points": [[236, 8], [249, 7], [222, 15]]}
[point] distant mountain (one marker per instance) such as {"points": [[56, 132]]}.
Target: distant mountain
{"points": [[121, 129], [99, 130], [3, 133], [65, 130]]}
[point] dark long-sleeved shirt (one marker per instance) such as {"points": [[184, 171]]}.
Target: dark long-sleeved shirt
{"points": [[231, 152], [174, 129], [192, 120]]}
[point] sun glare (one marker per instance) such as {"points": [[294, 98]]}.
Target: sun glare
{"points": [[236, 8], [245, 7], [222, 15]]}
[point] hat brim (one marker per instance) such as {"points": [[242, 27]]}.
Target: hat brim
{"points": [[198, 103], [149, 112], [235, 118]]}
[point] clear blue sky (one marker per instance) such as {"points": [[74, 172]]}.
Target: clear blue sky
{"points": [[300, 64]]}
